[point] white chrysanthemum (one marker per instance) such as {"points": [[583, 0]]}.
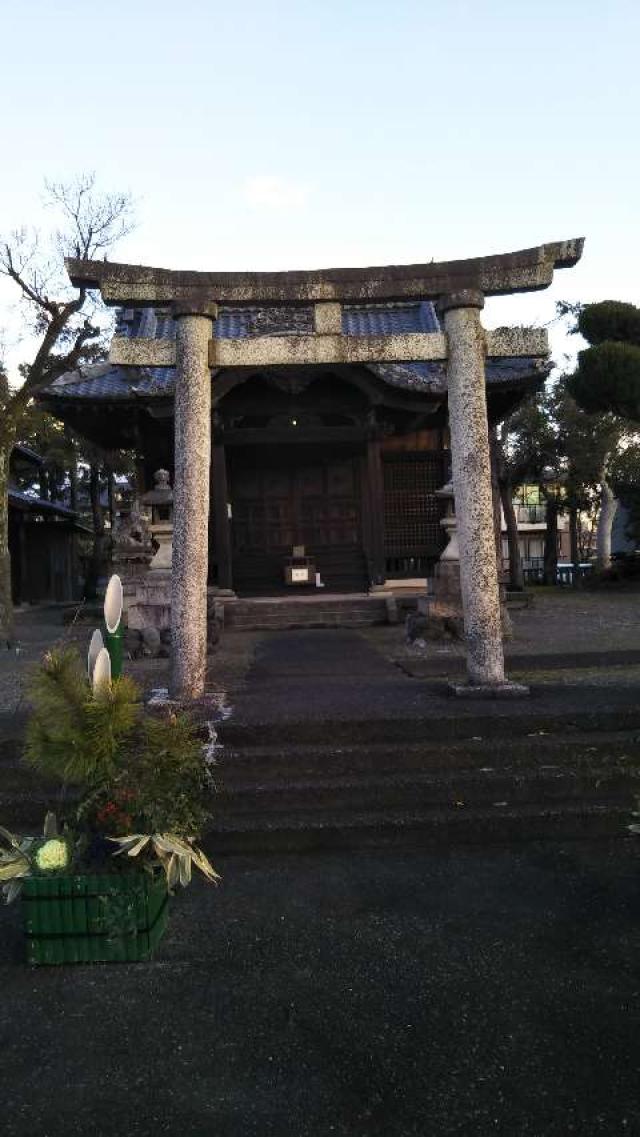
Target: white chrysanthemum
{"points": [[52, 855]]}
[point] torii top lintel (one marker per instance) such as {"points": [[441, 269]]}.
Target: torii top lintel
{"points": [[140, 286]]}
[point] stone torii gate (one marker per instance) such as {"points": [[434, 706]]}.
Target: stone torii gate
{"points": [[458, 288]]}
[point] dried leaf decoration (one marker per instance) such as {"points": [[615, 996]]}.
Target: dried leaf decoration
{"points": [[175, 854], [15, 864]]}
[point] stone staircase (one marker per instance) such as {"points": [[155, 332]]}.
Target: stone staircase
{"points": [[482, 780], [276, 613], [397, 783]]}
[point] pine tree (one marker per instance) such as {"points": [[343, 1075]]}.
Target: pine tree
{"points": [[607, 378]]}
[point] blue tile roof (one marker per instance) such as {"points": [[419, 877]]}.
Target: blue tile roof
{"points": [[384, 320], [108, 381], [120, 383], [105, 381], [241, 323]]}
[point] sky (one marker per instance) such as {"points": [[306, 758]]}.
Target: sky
{"points": [[350, 132]]}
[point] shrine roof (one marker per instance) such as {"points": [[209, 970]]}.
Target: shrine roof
{"points": [[244, 323], [106, 382], [30, 502], [110, 382]]}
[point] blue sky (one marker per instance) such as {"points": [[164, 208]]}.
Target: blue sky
{"points": [[290, 135]]}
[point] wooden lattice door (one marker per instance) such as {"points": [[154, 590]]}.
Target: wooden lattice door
{"points": [[413, 537]]}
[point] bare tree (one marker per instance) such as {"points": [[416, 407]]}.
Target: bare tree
{"points": [[66, 322]]}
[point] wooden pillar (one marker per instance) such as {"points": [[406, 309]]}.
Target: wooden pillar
{"points": [[25, 582], [375, 486], [221, 521]]}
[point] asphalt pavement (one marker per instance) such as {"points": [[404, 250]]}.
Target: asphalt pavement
{"points": [[456, 991]]}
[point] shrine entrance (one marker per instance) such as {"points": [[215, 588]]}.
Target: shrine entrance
{"points": [[293, 495], [230, 326]]}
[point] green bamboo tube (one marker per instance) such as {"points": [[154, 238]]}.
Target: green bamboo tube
{"points": [[114, 633]]}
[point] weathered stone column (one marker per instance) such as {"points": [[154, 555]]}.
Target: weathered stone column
{"points": [[191, 500], [472, 486]]}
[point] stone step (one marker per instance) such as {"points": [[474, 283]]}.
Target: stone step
{"points": [[463, 789], [506, 721], [303, 616], [294, 796], [583, 755], [536, 751], [304, 613], [330, 829], [407, 823], [316, 600], [275, 776], [288, 794], [278, 623]]}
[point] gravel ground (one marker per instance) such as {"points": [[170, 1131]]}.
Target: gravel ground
{"points": [[558, 620], [615, 676], [38, 629]]}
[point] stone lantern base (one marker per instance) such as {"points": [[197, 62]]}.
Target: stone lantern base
{"points": [[444, 595], [151, 606]]}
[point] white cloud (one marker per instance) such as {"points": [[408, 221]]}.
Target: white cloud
{"points": [[268, 191]]}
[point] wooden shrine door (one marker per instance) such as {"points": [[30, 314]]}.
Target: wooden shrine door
{"points": [[295, 496]]}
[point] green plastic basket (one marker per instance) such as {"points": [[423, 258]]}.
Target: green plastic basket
{"points": [[101, 918]]}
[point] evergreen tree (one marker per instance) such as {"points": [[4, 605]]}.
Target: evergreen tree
{"points": [[607, 378]]}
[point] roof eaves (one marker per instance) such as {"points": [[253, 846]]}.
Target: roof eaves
{"points": [[38, 504]]}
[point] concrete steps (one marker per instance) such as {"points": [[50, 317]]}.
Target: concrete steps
{"points": [[297, 795], [466, 788], [278, 790], [501, 727], [394, 828], [264, 763], [281, 613]]}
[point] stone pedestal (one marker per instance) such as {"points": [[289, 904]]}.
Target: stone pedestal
{"points": [[132, 552], [151, 606], [445, 596]]}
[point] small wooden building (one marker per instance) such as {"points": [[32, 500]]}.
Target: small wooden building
{"points": [[342, 460], [43, 537]]}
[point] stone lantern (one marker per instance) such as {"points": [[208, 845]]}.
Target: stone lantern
{"points": [[450, 524], [160, 498], [446, 598]]}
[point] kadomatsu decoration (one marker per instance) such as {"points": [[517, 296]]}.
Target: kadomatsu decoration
{"points": [[95, 885]]}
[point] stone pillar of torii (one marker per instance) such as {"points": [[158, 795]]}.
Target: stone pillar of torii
{"points": [[458, 288], [191, 479], [471, 469]]}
